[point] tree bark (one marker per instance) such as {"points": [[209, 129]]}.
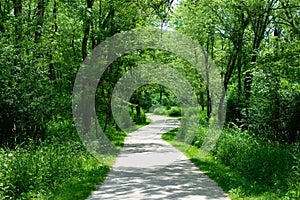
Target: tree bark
{"points": [[18, 16], [86, 31], [55, 29], [260, 20], [40, 19]]}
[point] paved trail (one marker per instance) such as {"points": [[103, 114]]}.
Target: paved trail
{"points": [[150, 168]]}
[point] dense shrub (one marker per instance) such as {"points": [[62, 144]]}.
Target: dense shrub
{"points": [[189, 125], [234, 111], [270, 165], [153, 107], [29, 99], [174, 111], [273, 110], [36, 171], [141, 119], [200, 136], [160, 111]]}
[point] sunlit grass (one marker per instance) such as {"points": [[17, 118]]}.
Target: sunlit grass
{"points": [[232, 181], [80, 188], [55, 169]]}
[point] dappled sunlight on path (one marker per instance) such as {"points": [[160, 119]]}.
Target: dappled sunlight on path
{"points": [[150, 168]]}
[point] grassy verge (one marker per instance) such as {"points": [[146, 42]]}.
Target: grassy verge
{"points": [[235, 182], [58, 168], [81, 188], [47, 171]]}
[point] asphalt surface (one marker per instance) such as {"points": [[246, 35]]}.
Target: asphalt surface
{"points": [[150, 168]]}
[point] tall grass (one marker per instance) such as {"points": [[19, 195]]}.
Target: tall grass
{"points": [[273, 167], [56, 168], [38, 170], [246, 166]]}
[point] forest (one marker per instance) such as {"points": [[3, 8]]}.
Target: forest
{"points": [[253, 44]]}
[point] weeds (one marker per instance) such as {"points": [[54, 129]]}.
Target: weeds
{"points": [[36, 171], [56, 168], [246, 167]]}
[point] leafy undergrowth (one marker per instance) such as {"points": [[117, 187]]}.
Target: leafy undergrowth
{"points": [[173, 111], [80, 188], [48, 170], [57, 168], [257, 171]]}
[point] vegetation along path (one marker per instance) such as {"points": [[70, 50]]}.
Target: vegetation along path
{"points": [[150, 168]]}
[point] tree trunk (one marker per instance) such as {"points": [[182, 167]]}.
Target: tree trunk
{"points": [[55, 29], [259, 23], [208, 98], [202, 100], [239, 65], [93, 36], [138, 108], [160, 94], [18, 16], [40, 19], [86, 31]]}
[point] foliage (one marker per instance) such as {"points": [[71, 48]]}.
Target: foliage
{"points": [[141, 118], [256, 48], [174, 112], [275, 96], [255, 45], [23, 101], [160, 111], [37, 171], [246, 168], [269, 165]]}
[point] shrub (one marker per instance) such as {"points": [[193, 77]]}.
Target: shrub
{"points": [[153, 107], [36, 171], [276, 101], [174, 112], [141, 119], [200, 136], [160, 111], [265, 163], [189, 125]]}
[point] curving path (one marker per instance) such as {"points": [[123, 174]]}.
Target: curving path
{"points": [[150, 168]]}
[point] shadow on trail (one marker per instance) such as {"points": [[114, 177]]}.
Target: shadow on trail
{"points": [[169, 182], [150, 168]]}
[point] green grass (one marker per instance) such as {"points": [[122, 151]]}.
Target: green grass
{"points": [[80, 188], [233, 181], [55, 169], [48, 171]]}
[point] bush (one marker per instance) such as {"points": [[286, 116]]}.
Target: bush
{"points": [[37, 171], [174, 112], [200, 137], [189, 125], [277, 101], [141, 119], [261, 162], [234, 110], [160, 111], [153, 107]]}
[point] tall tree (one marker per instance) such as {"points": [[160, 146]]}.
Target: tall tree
{"points": [[18, 15], [39, 19]]}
